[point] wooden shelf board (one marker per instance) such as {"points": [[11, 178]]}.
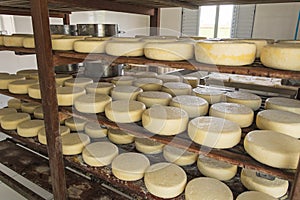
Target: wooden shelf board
{"points": [[17, 49]]}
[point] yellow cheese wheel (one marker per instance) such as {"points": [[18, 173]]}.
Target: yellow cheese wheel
{"points": [[282, 103], [61, 78], [20, 86], [30, 128], [67, 95], [95, 130], [63, 130], [193, 81], [123, 80], [28, 43], [100, 88], [14, 103], [178, 156], [98, 38], [126, 39], [123, 48], [90, 46], [145, 75], [150, 98], [64, 44], [6, 79], [78, 82], [212, 96], [248, 99], [75, 124], [148, 84], [38, 113], [7, 111], [26, 72], [148, 146], [177, 88], [15, 40], [11, 121], [119, 137], [249, 195], [34, 91], [123, 92], [169, 78], [92, 103], [74, 143], [29, 107]]}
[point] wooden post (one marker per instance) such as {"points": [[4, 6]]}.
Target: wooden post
{"points": [[295, 194], [42, 38], [155, 22], [66, 19]]}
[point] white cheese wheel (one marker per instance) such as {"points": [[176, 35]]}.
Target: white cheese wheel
{"points": [[282, 103], [64, 44], [151, 98], [20, 86], [11, 121], [26, 72], [61, 78], [225, 53], [75, 124], [169, 78], [74, 143], [160, 186], [193, 105], [99, 154], [250, 195], [38, 113], [30, 128], [122, 92], [145, 75], [248, 99], [6, 79], [34, 91], [78, 82], [148, 146], [95, 130], [92, 103], [216, 169], [100, 88], [29, 107], [63, 130], [241, 114], [130, 166], [126, 39], [123, 80], [191, 80], [280, 121], [7, 111], [214, 132], [212, 96], [207, 189], [89, 46], [123, 48], [178, 156], [165, 120], [13, 40], [148, 84], [67, 95], [119, 137], [177, 88], [281, 56], [276, 188], [283, 151], [14, 103], [124, 111]]}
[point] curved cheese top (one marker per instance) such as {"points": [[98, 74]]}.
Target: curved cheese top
{"points": [[251, 195], [126, 106], [208, 91], [166, 112], [177, 85], [155, 95], [69, 90], [280, 116], [286, 102], [232, 108], [190, 100], [243, 96]]}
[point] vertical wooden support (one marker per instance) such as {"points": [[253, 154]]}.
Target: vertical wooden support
{"points": [[40, 21], [66, 19], [295, 195], [155, 22]]}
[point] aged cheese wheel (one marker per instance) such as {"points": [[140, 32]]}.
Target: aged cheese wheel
{"points": [[130, 166], [38, 113], [148, 146], [98, 38], [29, 107], [251, 100], [169, 78], [7, 111], [207, 189], [148, 84], [283, 151], [20, 86], [30, 128], [95, 130], [61, 78], [193, 81], [216, 169], [75, 124], [99, 154], [119, 137], [158, 39], [100, 88], [177, 88], [123, 48], [1, 40], [89, 46], [34, 91], [67, 95], [225, 53], [145, 75], [276, 188], [126, 39], [151, 98], [165, 120], [15, 40], [250, 195], [241, 114], [26, 72], [157, 184], [285, 104], [6, 79], [92, 103], [179, 156], [34, 76], [78, 82], [63, 130], [280, 121], [193, 105], [74, 143], [214, 132], [11, 121], [14, 103], [122, 92], [212, 96], [28, 42], [64, 44], [123, 80]]}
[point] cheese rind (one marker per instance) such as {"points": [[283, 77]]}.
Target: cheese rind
{"points": [[30, 128], [15, 40], [11, 121], [100, 88], [75, 124], [78, 82], [92, 103], [74, 143], [14, 103], [212, 96], [285, 104], [169, 78], [250, 195], [119, 137], [123, 48], [148, 84], [20, 86], [67, 95], [6, 79], [123, 92], [29, 107], [63, 130], [95, 130], [180, 157], [151, 98], [61, 78], [26, 72], [7, 111], [251, 100], [64, 44], [123, 80], [34, 91], [177, 88], [148, 146], [38, 113], [89, 46]]}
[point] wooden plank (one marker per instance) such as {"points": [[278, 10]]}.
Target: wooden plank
{"points": [[26, 12], [295, 194], [155, 22], [17, 49]]}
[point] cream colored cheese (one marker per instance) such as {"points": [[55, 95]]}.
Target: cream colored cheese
{"points": [[123, 48], [63, 130], [123, 92], [92, 103], [251, 100], [177, 88], [100, 88], [178, 156], [150, 98], [74, 143], [11, 121], [30, 128], [119, 137], [282, 103], [148, 84]]}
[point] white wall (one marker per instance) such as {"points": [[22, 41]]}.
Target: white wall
{"points": [[170, 21]]}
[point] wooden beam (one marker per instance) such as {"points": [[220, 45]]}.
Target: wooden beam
{"points": [[26, 12], [295, 194], [40, 21], [66, 19], [155, 22]]}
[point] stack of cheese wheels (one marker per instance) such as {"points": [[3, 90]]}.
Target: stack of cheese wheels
{"points": [[20, 86], [61, 78], [204, 188], [65, 43], [6, 79], [280, 121], [14, 103], [78, 82], [89, 46], [99, 154], [250, 195], [148, 84], [92, 103], [179, 156], [281, 56], [283, 151], [241, 114], [281, 103], [151, 98], [225, 53], [119, 137], [177, 88], [125, 48], [34, 91], [248, 99], [63, 130], [30, 128], [38, 113], [212, 96], [165, 120], [100, 88], [193, 105], [157, 184], [130, 166], [7, 111], [28, 42], [74, 143], [29, 107], [127, 39], [15, 40], [123, 80], [11, 121], [95, 130], [123, 92], [193, 81], [145, 75], [214, 132], [67, 95], [26, 72], [148, 146], [216, 169], [273, 186], [169, 78], [75, 124]]}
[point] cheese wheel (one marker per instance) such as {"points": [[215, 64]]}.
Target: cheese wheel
{"points": [[178, 156], [193, 105], [34, 91], [276, 188], [251, 100], [123, 48], [241, 114], [216, 169], [283, 151], [122, 92], [1, 40], [78, 82], [207, 189], [145, 75], [148, 146], [11, 121], [285, 104], [177, 88], [126, 39], [280, 121], [64, 44], [151, 98], [193, 81], [160, 186], [28, 43], [95, 130], [67, 95], [61, 78], [20, 86], [75, 124], [123, 80], [119, 137], [30, 128], [7, 111], [63, 130], [165, 120], [29, 107], [98, 38], [100, 88], [225, 53], [214, 132], [212, 96], [6, 79], [14, 40], [99, 154], [148, 84], [14, 103], [169, 78], [158, 39], [34, 76], [74, 143], [26, 72], [92, 103], [281, 56], [89, 46], [130, 166], [80, 37], [250, 195], [38, 113]]}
